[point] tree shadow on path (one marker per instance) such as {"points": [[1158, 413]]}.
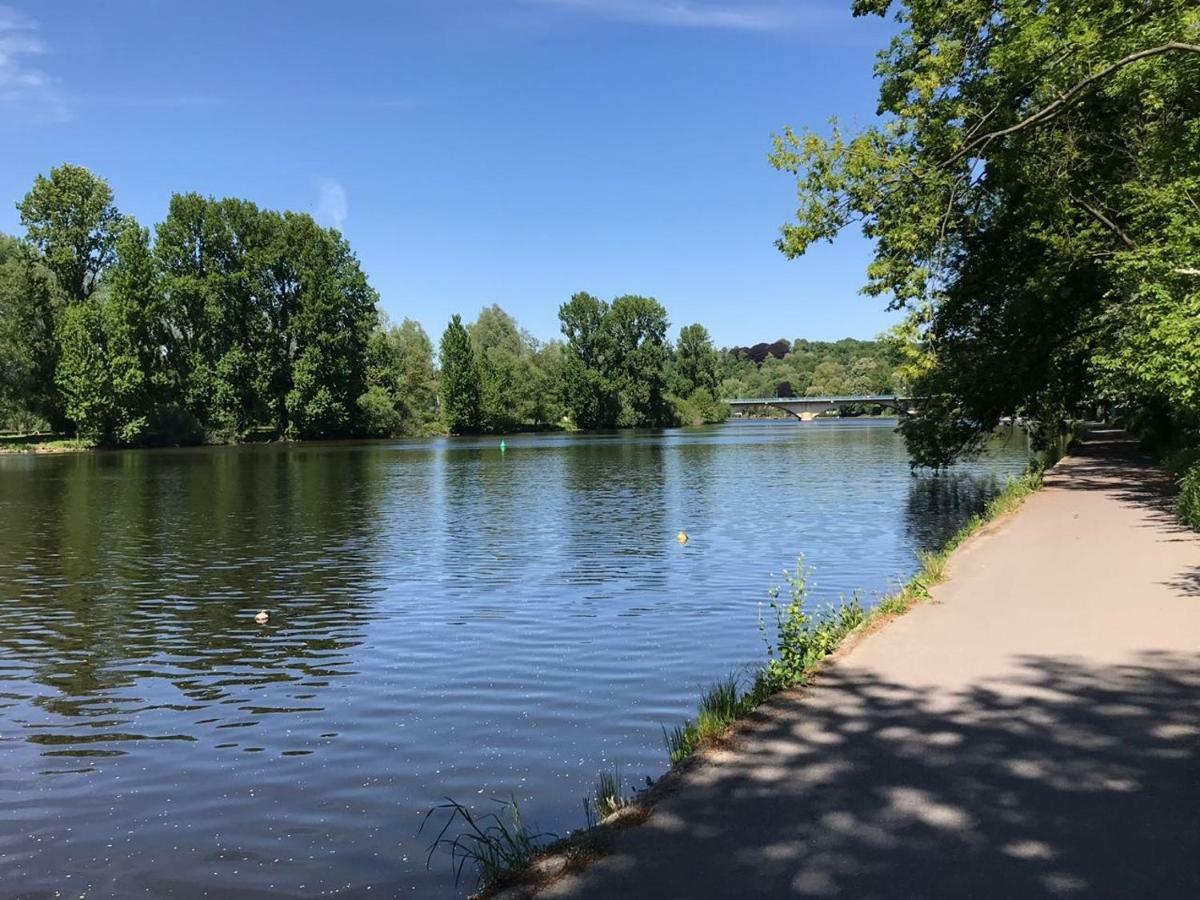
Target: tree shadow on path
{"points": [[1063, 779]]}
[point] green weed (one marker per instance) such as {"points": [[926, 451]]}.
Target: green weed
{"points": [[498, 844]]}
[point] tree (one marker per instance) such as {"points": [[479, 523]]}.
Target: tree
{"points": [[401, 395], [590, 393], [545, 376], [1031, 195], [111, 372], [695, 378], [418, 381], [31, 304], [638, 329], [828, 380], [71, 219], [501, 357], [271, 316], [460, 380], [207, 290], [331, 329], [695, 363]]}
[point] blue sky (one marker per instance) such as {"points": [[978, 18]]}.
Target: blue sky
{"points": [[473, 151]]}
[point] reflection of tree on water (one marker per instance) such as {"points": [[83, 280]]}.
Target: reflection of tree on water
{"points": [[939, 505], [129, 590], [619, 486]]}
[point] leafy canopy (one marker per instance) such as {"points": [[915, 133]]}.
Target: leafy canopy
{"points": [[1032, 194]]}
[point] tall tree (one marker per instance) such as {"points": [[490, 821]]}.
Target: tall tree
{"points": [[460, 389], [695, 378], [402, 384], [332, 328], [1031, 195], [199, 256], [590, 392], [112, 373], [545, 377], [696, 362], [501, 356], [31, 304], [638, 328], [70, 217]]}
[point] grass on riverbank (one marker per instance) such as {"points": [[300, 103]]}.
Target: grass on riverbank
{"points": [[507, 853], [42, 443]]}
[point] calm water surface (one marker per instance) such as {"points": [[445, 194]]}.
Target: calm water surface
{"points": [[445, 621]]}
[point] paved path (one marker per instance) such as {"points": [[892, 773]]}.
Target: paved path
{"points": [[1034, 732]]}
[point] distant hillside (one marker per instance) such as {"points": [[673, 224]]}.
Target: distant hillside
{"points": [[809, 368]]}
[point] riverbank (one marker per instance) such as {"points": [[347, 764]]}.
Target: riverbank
{"points": [[42, 443], [1030, 732], [57, 443]]}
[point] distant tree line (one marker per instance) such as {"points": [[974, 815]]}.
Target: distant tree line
{"points": [[614, 368], [231, 322], [804, 368]]}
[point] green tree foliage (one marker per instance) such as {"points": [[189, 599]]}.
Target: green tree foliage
{"points": [[272, 316], [234, 319], [31, 304], [641, 353], [815, 369], [695, 378], [71, 219], [112, 371], [545, 384], [335, 316], [615, 362], [231, 320], [1032, 195], [502, 356], [207, 250], [589, 389], [402, 382], [460, 388]]}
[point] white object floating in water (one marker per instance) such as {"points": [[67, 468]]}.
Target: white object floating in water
{"points": [[263, 617], [682, 537]]}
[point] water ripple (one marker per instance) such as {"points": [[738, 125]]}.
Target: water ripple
{"points": [[445, 620]]}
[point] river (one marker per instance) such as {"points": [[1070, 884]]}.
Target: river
{"points": [[446, 620]]}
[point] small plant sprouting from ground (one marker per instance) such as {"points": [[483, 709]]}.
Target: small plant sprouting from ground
{"points": [[681, 740], [720, 706], [498, 844], [609, 795], [802, 640], [933, 565]]}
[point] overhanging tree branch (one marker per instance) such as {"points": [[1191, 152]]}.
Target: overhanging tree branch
{"points": [[1067, 97]]}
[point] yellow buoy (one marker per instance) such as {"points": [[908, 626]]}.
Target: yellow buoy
{"points": [[263, 617], [682, 537]]}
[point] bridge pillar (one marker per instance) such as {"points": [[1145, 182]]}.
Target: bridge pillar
{"points": [[806, 416]]}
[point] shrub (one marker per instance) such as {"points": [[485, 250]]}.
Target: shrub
{"points": [[1188, 505]]}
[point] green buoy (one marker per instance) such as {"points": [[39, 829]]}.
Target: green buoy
{"points": [[503, 447]]}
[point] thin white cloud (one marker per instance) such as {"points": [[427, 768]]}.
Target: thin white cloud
{"points": [[332, 206], [24, 88], [721, 14]]}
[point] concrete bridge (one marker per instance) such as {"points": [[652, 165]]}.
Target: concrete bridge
{"points": [[807, 408]]}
